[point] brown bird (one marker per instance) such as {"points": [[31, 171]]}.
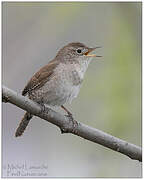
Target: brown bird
{"points": [[59, 81]]}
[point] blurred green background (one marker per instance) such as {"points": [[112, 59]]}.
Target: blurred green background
{"points": [[110, 98]]}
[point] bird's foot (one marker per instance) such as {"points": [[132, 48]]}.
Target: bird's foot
{"points": [[43, 108], [74, 124]]}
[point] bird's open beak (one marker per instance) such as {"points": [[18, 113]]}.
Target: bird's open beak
{"points": [[90, 50]]}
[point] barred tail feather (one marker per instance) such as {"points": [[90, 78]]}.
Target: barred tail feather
{"points": [[23, 124]]}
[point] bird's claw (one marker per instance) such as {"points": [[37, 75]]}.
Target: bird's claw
{"points": [[43, 108], [74, 122], [69, 129]]}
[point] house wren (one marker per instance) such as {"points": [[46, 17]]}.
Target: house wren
{"points": [[59, 81]]}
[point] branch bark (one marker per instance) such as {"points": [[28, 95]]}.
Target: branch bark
{"points": [[66, 125]]}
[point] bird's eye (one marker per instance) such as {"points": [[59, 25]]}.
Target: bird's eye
{"points": [[79, 51]]}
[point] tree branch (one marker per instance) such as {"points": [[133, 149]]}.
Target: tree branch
{"points": [[66, 125]]}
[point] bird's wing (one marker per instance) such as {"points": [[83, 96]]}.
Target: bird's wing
{"points": [[41, 77]]}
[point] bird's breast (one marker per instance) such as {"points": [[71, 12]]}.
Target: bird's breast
{"points": [[63, 86]]}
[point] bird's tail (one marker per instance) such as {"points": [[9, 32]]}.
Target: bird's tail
{"points": [[23, 124]]}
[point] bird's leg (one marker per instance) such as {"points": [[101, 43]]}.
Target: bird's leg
{"points": [[43, 108], [41, 103], [69, 114]]}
